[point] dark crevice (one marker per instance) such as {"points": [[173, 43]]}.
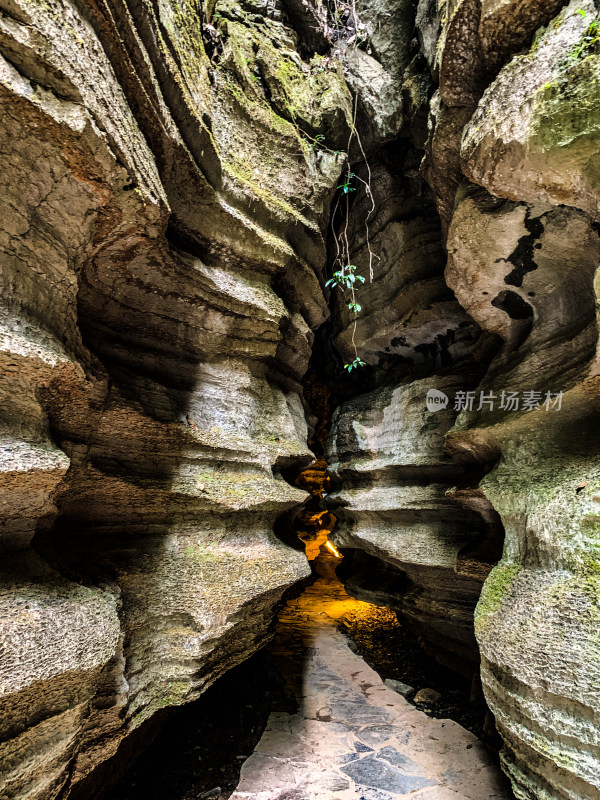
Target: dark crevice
{"points": [[514, 305], [522, 257], [197, 751], [425, 636]]}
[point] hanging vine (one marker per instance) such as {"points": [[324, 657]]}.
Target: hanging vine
{"points": [[345, 277]]}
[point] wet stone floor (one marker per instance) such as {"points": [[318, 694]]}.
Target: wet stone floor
{"points": [[343, 734]]}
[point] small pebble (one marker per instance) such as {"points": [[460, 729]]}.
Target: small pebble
{"points": [[427, 696]]}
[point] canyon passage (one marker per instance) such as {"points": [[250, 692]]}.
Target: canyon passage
{"points": [[300, 399]]}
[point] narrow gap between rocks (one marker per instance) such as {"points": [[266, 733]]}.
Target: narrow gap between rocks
{"points": [[310, 708], [347, 701]]}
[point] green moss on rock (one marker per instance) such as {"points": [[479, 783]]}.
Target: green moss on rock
{"points": [[494, 591], [568, 107]]}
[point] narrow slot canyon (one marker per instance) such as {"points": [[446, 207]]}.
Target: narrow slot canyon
{"points": [[310, 716], [300, 400]]}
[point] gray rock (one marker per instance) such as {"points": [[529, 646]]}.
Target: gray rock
{"points": [[397, 759], [376, 774], [526, 117], [397, 519], [401, 688], [378, 90], [428, 27]]}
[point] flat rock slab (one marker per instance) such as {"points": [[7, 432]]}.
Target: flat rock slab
{"points": [[352, 737]]}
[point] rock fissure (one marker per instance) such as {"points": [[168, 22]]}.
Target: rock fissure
{"points": [[522, 257]]}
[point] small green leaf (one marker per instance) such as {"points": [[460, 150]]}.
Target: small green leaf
{"points": [[358, 362], [581, 12]]}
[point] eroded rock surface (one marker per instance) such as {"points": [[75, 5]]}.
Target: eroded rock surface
{"points": [[387, 450], [426, 499], [172, 202], [162, 253], [534, 135]]}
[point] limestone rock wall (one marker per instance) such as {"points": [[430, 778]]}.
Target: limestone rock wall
{"points": [[536, 621], [427, 499], [394, 506], [163, 208], [170, 193], [406, 540]]}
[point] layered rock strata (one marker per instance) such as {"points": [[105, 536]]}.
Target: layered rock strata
{"points": [[427, 553], [536, 622], [510, 158], [162, 250], [167, 186]]}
